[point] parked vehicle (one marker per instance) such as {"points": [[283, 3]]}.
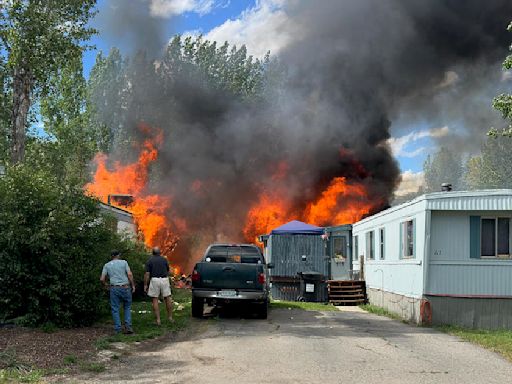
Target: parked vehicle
{"points": [[231, 273]]}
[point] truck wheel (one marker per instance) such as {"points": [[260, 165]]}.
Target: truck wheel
{"points": [[262, 310], [197, 307]]}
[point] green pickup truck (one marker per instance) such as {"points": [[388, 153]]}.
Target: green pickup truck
{"points": [[231, 273]]}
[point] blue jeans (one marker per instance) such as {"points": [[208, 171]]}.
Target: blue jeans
{"points": [[118, 295]]}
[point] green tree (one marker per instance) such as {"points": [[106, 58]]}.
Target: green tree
{"points": [[62, 108], [444, 167], [222, 68], [493, 168], [53, 244], [107, 92], [503, 102], [38, 37], [123, 91], [5, 107]]}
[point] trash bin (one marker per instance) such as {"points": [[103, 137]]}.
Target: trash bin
{"points": [[312, 287]]}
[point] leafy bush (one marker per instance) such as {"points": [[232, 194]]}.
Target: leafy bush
{"points": [[53, 244]]}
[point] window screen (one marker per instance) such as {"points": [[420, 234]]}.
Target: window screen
{"points": [[370, 245], [407, 237], [381, 243], [410, 238], [503, 236], [356, 247], [339, 245], [488, 242]]}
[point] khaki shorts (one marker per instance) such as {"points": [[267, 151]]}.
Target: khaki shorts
{"points": [[159, 286]]}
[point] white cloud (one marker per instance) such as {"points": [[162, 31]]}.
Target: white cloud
{"points": [[398, 144], [264, 27], [411, 183], [168, 8]]}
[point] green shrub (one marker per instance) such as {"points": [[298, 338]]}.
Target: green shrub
{"points": [[53, 244], [70, 359]]}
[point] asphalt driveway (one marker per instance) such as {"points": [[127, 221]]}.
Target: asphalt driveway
{"points": [[295, 346]]}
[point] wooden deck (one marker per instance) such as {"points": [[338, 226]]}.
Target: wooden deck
{"points": [[347, 292]]}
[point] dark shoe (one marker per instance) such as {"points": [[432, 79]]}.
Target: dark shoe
{"points": [[128, 331]]}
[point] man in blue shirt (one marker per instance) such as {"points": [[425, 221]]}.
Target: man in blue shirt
{"points": [[120, 279]]}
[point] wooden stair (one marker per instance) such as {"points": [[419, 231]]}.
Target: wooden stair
{"points": [[347, 292]]}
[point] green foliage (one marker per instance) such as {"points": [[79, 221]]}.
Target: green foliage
{"points": [[70, 360], [381, 311], [121, 91], [37, 40], [73, 141], [107, 91], [223, 68], [493, 168], [503, 102], [21, 375], [41, 36], [8, 359], [92, 367], [53, 244], [49, 327], [444, 167], [499, 340]]}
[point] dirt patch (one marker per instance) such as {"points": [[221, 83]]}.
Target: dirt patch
{"points": [[48, 350]]}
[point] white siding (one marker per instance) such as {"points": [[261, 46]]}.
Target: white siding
{"points": [[451, 271], [401, 276], [449, 236]]}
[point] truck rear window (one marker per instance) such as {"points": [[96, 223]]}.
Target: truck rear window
{"points": [[234, 254]]}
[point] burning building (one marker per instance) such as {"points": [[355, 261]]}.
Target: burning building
{"points": [[209, 165]]}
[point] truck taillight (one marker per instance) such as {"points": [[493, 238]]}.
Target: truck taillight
{"points": [[261, 278], [196, 276]]}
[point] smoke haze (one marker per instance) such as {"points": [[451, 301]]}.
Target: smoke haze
{"points": [[353, 68]]}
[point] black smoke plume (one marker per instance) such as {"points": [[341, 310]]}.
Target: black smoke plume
{"points": [[352, 69]]}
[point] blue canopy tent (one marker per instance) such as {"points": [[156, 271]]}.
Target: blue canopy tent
{"points": [[296, 227], [294, 247]]}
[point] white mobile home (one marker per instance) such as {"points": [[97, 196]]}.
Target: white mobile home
{"points": [[443, 257]]}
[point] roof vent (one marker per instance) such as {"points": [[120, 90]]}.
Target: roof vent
{"points": [[446, 187]]}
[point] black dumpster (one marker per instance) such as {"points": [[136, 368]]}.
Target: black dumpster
{"points": [[312, 287]]}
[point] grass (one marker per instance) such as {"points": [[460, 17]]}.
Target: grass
{"points": [[381, 312], [70, 360], [499, 341], [19, 375], [91, 366], [143, 320], [303, 305], [13, 371]]}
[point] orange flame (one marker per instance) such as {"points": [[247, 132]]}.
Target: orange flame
{"points": [[269, 212], [340, 203], [148, 209]]}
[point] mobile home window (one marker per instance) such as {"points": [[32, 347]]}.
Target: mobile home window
{"points": [[370, 245], [407, 235], [340, 247], [495, 236], [356, 247], [381, 243]]}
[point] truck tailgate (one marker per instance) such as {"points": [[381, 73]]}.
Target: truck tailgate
{"points": [[229, 276]]}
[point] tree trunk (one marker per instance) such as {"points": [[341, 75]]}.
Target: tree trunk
{"points": [[22, 89]]}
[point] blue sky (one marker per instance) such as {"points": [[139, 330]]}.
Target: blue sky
{"points": [[185, 22], [241, 21]]}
